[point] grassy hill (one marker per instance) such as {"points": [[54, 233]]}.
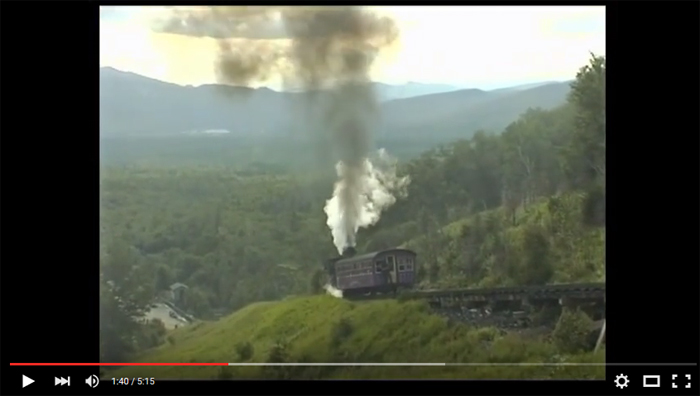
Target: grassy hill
{"points": [[327, 329]]}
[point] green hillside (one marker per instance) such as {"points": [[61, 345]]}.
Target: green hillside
{"points": [[327, 329], [542, 243]]}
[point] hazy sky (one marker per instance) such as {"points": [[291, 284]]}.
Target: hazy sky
{"points": [[479, 47]]}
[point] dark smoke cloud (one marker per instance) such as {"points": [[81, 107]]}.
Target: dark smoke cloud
{"points": [[329, 47], [327, 43]]}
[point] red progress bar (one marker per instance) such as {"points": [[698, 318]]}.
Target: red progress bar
{"points": [[118, 364]]}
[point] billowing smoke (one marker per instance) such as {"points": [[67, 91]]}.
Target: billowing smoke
{"points": [[358, 205], [330, 48]]}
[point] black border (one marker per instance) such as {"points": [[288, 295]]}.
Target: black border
{"points": [[50, 119], [50, 177]]}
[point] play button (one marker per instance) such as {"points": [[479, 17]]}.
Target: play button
{"points": [[26, 381]]}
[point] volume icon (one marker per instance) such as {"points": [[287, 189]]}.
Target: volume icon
{"points": [[92, 381], [62, 381]]}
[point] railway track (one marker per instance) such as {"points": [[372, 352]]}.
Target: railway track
{"points": [[559, 293], [545, 292]]}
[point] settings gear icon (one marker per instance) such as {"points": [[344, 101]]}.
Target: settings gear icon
{"points": [[621, 381]]}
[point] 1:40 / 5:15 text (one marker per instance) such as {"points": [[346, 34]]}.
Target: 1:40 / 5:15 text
{"points": [[133, 381]]}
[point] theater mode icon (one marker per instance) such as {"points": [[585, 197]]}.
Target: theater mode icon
{"points": [[651, 381]]}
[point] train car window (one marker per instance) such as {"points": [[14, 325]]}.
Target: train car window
{"points": [[409, 267], [379, 266], [402, 268], [391, 263]]}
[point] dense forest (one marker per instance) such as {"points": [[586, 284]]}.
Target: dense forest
{"points": [[525, 205]]}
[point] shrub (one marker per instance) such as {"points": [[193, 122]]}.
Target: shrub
{"points": [[158, 326], [538, 266], [341, 331], [593, 207], [244, 351], [486, 334], [546, 315], [316, 282], [278, 353], [572, 333]]}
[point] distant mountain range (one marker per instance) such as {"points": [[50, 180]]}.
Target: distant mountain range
{"points": [[134, 105], [386, 92]]}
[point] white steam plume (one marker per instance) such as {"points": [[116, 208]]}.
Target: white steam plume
{"points": [[359, 206], [333, 291]]}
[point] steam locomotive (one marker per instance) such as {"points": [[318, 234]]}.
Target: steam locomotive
{"points": [[382, 272]]}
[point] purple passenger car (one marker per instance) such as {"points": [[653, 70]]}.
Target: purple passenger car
{"points": [[379, 272]]}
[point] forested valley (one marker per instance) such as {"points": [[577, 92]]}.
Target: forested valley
{"points": [[525, 205]]}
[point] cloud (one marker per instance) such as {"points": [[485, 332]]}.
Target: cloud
{"points": [[132, 14], [474, 46], [225, 22]]}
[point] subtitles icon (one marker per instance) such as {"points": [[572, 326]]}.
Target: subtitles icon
{"points": [[651, 381]]}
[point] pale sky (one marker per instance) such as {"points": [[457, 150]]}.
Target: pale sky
{"points": [[477, 47]]}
